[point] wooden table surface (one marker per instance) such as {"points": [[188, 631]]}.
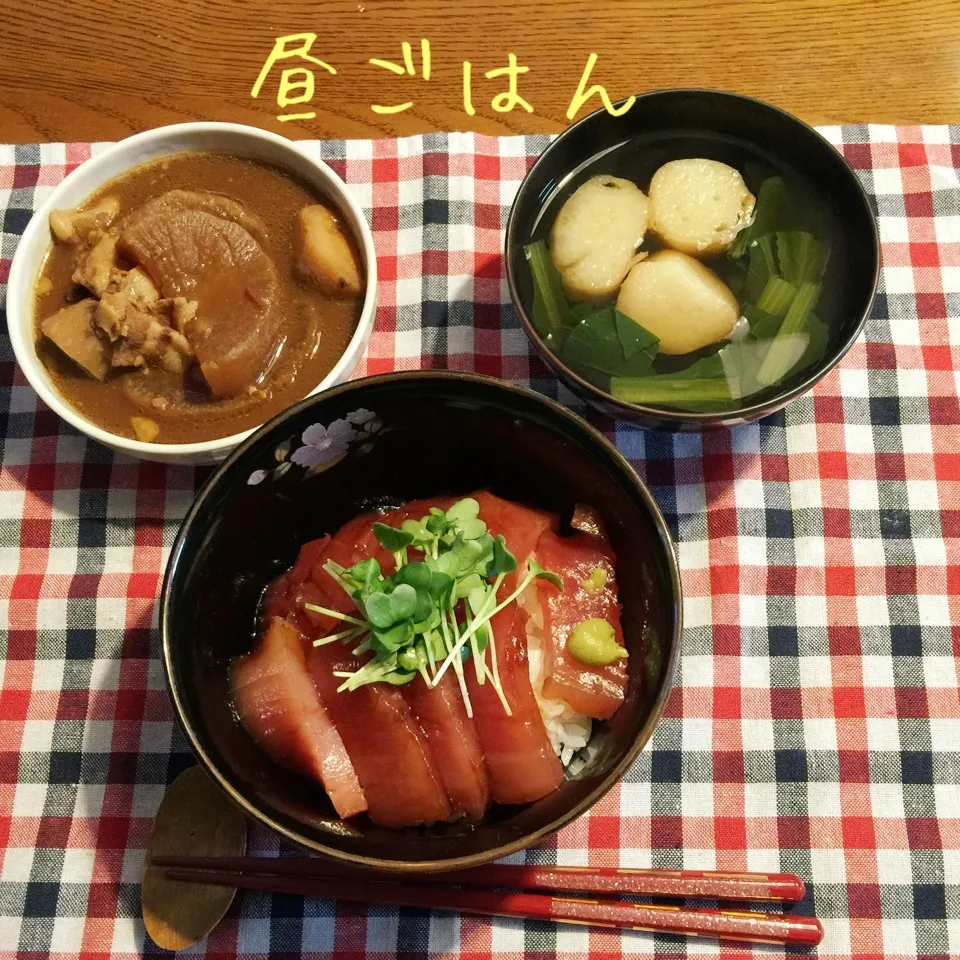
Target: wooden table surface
{"points": [[101, 69]]}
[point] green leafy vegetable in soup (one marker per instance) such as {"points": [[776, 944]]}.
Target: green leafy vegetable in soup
{"points": [[714, 304]]}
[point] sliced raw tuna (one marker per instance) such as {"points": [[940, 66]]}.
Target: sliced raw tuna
{"points": [[586, 563], [278, 705], [414, 747], [454, 742], [440, 710], [414, 510], [417, 509], [353, 542], [389, 751], [287, 594], [520, 759], [519, 524]]}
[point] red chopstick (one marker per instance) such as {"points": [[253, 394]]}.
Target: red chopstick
{"points": [[725, 924], [703, 884]]}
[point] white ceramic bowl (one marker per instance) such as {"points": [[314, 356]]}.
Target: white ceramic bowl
{"points": [[226, 137]]}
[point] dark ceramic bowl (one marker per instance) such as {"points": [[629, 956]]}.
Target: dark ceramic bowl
{"points": [[433, 433], [758, 140]]}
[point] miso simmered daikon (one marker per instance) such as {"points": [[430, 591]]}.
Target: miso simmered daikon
{"points": [[699, 278], [195, 296]]}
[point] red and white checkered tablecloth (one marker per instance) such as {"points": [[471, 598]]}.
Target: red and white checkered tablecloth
{"points": [[815, 725]]}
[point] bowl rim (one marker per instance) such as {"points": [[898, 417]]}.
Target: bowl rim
{"points": [[24, 271], [638, 487], [679, 418]]}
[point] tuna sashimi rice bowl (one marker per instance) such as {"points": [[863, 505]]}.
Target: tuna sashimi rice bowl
{"points": [[421, 621], [425, 662]]}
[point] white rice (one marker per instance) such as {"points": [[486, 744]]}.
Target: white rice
{"points": [[568, 730]]}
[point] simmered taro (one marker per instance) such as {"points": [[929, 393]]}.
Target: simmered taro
{"points": [[175, 307]]}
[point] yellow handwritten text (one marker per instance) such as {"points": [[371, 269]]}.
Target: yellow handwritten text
{"points": [[584, 93], [467, 91], [407, 69], [296, 83], [503, 102]]}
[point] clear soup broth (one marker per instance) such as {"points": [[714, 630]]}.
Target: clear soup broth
{"points": [[784, 267]]}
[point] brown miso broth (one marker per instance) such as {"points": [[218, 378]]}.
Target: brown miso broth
{"points": [[312, 328]]}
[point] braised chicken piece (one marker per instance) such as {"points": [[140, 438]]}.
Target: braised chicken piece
{"points": [[74, 226], [152, 340], [71, 329], [135, 290], [97, 263]]}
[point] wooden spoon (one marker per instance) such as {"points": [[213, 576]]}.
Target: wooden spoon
{"points": [[195, 818]]}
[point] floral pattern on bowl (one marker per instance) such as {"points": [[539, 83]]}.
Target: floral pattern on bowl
{"points": [[322, 447]]}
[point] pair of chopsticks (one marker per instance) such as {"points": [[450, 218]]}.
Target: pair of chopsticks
{"points": [[474, 893]]}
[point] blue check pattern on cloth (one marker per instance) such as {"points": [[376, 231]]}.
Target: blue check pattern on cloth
{"points": [[815, 724]]}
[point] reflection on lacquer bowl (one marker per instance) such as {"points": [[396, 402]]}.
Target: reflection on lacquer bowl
{"points": [[183, 286], [371, 445]]}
